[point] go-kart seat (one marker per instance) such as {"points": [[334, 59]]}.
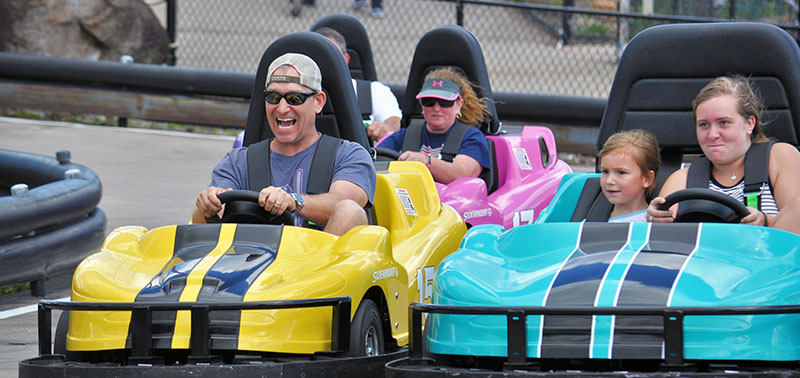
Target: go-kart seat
{"points": [[592, 206], [463, 53], [361, 64], [664, 67], [340, 116]]}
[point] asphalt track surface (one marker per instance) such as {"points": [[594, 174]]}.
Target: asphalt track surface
{"points": [[150, 178]]}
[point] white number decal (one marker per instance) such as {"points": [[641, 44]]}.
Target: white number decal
{"points": [[523, 216], [425, 282]]}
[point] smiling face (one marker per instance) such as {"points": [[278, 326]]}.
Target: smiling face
{"points": [[722, 132], [293, 125], [439, 119], [623, 182]]}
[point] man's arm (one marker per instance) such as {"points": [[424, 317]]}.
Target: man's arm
{"points": [[377, 130], [319, 207]]}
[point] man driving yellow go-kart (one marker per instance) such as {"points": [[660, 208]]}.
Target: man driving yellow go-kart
{"points": [[278, 294]]}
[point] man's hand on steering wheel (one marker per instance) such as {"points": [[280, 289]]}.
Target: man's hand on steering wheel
{"points": [[276, 200], [208, 203]]}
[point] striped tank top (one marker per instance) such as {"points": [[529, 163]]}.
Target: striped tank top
{"points": [[768, 204]]}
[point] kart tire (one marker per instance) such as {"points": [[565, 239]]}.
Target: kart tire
{"points": [[366, 331], [60, 342]]}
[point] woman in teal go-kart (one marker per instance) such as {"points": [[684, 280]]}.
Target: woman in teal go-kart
{"points": [[728, 124]]}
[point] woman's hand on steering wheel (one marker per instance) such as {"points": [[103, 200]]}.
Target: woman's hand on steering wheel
{"points": [[655, 215], [755, 218]]}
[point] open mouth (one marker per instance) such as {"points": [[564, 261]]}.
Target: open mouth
{"points": [[285, 123]]}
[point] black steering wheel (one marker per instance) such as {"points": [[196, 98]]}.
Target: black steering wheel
{"points": [[705, 205], [385, 154], [241, 206]]}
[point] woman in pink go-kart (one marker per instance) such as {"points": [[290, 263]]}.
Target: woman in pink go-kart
{"points": [[451, 110]]}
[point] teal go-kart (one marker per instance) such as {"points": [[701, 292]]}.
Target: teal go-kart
{"points": [[572, 295]]}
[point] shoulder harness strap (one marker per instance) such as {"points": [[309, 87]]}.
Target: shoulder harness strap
{"points": [[756, 172], [453, 142], [259, 175], [364, 95], [319, 179], [412, 140], [699, 173]]}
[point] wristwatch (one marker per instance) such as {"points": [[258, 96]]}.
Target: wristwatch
{"points": [[299, 202]]}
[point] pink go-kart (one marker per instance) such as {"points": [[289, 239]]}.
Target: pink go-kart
{"points": [[525, 171]]}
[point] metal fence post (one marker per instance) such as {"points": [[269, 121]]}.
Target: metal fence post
{"points": [[566, 28], [171, 18], [459, 13]]}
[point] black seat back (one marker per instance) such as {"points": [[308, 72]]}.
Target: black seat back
{"points": [[361, 64], [339, 118], [454, 46], [664, 67]]}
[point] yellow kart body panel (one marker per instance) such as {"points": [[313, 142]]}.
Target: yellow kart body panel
{"points": [[238, 262]]}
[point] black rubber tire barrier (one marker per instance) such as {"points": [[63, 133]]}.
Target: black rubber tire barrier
{"points": [[51, 199]]}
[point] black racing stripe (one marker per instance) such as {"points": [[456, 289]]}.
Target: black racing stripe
{"points": [[648, 283], [192, 244], [253, 250], [576, 285]]}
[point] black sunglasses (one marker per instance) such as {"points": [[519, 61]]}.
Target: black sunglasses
{"points": [[430, 101], [274, 98]]}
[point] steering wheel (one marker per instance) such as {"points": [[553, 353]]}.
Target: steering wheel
{"points": [[241, 206], [705, 205], [385, 154]]}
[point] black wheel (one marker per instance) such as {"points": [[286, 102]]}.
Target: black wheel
{"points": [[705, 205], [366, 331], [60, 342]]}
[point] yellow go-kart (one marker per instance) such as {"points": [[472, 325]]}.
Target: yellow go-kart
{"points": [[235, 299]]}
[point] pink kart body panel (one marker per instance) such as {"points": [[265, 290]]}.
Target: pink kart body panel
{"points": [[528, 175]]}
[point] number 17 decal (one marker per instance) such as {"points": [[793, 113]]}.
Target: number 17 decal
{"points": [[525, 216], [425, 283]]}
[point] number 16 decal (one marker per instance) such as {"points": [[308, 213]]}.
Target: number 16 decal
{"points": [[425, 282]]}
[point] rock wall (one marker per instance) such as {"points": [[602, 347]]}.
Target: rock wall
{"points": [[84, 29]]}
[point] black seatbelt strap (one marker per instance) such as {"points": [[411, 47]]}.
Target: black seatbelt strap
{"points": [[453, 142], [699, 173], [412, 141], [756, 173], [364, 95], [259, 174], [319, 179]]}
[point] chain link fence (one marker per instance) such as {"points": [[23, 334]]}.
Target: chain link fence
{"points": [[555, 47]]}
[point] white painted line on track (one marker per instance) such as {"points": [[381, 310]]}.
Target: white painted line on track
{"points": [[23, 310]]}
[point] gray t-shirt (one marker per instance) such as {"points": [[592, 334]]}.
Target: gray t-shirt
{"points": [[352, 163]]}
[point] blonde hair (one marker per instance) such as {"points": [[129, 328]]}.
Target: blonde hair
{"points": [[641, 146], [474, 110], [747, 102]]}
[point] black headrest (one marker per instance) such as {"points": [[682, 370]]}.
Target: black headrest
{"points": [[664, 67], [361, 64], [340, 117], [449, 45]]}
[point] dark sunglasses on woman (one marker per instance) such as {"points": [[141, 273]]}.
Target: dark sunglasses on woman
{"points": [[274, 98], [430, 101]]}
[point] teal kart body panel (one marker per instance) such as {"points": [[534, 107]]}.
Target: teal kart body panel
{"points": [[557, 263]]}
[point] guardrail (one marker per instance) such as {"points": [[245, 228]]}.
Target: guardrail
{"points": [[207, 97]]}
